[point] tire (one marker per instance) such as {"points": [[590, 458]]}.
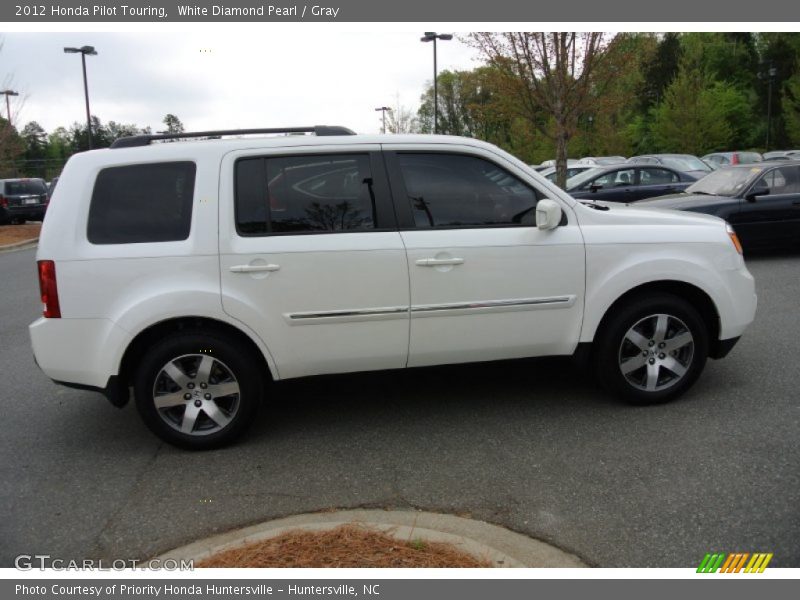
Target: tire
{"points": [[652, 349], [198, 390]]}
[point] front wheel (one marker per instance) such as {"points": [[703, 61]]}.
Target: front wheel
{"points": [[197, 391], [652, 350]]}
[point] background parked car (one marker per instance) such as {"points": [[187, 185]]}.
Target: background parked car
{"points": [[761, 202], [732, 158], [548, 164], [601, 160], [782, 155], [627, 183], [51, 187], [22, 200], [686, 163], [572, 170]]}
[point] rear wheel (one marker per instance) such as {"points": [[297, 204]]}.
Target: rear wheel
{"points": [[652, 350], [197, 390]]}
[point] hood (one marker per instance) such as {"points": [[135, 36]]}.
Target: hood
{"points": [[643, 213], [685, 201]]}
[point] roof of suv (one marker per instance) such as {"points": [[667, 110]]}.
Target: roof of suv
{"points": [[218, 146]]}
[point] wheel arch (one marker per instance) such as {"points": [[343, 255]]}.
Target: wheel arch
{"points": [[696, 296], [145, 338]]}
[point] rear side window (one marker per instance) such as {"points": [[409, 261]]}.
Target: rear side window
{"points": [[304, 194], [142, 203]]}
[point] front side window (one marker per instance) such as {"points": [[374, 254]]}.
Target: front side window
{"points": [[302, 194], [621, 178], [454, 190], [142, 203], [783, 180]]}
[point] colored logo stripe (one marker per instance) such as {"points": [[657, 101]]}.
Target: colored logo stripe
{"points": [[758, 563], [734, 563]]}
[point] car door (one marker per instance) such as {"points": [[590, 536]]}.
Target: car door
{"points": [[486, 284], [614, 186], [311, 259], [771, 219], [657, 181]]}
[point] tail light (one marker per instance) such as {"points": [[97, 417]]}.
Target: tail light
{"points": [[3, 201], [735, 159], [49, 289]]}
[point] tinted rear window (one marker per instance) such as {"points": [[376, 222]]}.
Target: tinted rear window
{"points": [[142, 203], [32, 186]]}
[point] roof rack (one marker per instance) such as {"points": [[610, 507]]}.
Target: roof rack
{"points": [[131, 141]]}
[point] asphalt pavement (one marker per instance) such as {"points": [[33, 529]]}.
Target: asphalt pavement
{"points": [[529, 445]]}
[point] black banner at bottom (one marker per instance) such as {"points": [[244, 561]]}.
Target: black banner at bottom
{"points": [[397, 589]]}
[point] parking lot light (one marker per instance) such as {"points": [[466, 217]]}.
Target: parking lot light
{"points": [[83, 51]]}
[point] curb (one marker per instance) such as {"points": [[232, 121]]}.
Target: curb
{"points": [[502, 547], [23, 245]]}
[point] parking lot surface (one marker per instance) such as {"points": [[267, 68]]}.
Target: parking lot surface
{"points": [[530, 445]]}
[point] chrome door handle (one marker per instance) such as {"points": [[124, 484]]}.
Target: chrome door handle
{"points": [[253, 268], [435, 262]]}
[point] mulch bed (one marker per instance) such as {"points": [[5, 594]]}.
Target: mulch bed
{"points": [[346, 546]]}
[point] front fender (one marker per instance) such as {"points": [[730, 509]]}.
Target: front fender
{"points": [[615, 269]]}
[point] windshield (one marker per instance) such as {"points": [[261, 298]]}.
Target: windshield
{"points": [[31, 186], [724, 182], [685, 163], [581, 178]]}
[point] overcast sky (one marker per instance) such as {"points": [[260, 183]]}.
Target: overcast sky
{"points": [[245, 78]]}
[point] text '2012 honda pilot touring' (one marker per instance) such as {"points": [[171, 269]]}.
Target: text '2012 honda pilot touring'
{"points": [[195, 272]]}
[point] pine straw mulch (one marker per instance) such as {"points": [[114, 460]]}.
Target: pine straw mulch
{"points": [[345, 546], [11, 234]]}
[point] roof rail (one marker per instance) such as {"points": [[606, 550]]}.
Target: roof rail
{"points": [[131, 141]]}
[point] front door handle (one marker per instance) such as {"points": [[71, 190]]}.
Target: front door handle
{"points": [[254, 268], [436, 262]]}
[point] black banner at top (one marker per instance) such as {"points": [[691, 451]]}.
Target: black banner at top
{"points": [[449, 11]]}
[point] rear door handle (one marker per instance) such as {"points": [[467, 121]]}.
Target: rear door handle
{"points": [[435, 262], [253, 268]]}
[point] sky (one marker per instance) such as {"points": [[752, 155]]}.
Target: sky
{"points": [[226, 80]]}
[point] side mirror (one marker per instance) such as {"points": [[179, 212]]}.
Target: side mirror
{"points": [[759, 190], [596, 186], [548, 214]]}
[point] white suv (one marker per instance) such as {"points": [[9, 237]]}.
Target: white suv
{"points": [[197, 271]]}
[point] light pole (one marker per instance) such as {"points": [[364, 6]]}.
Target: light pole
{"points": [[769, 73], [772, 71], [8, 105], [432, 36], [83, 51], [383, 110]]}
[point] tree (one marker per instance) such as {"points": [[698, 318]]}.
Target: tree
{"points": [[551, 76], [173, 124], [791, 107], [659, 70], [400, 119], [691, 118]]}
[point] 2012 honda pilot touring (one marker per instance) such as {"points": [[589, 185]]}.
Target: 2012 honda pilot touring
{"points": [[197, 271]]}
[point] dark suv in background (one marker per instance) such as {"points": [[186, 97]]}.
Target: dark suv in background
{"points": [[22, 200]]}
